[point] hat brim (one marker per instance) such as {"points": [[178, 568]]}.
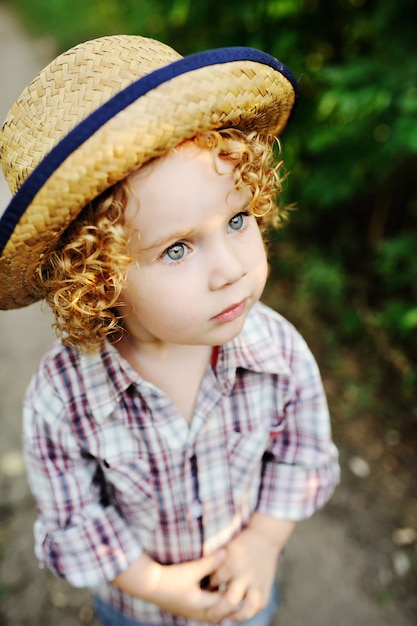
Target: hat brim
{"points": [[232, 87]]}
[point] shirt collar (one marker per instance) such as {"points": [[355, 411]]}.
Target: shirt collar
{"points": [[106, 378], [256, 349]]}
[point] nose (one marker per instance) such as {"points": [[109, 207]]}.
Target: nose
{"points": [[226, 265]]}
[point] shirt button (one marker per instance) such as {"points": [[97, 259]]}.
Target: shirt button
{"points": [[195, 509]]}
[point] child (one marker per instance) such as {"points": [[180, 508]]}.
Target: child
{"points": [[178, 428]]}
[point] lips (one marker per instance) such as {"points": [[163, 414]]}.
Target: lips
{"points": [[231, 313]]}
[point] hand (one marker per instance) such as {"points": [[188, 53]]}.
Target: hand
{"points": [[249, 569], [174, 588]]}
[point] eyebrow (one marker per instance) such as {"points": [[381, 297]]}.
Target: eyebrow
{"points": [[170, 240]]}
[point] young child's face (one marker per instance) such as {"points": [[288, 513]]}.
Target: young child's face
{"points": [[199, 259]]}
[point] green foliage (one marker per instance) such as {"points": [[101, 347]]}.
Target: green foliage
{"points": [[352, 150], [396, 267]]}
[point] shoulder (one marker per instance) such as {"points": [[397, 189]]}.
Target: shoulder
{"points": [[264, 325], [54, 381], [74, 383], [57, 365], [269, 342]]}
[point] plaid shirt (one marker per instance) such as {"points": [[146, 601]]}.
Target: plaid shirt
{"points": [[116, 470]]}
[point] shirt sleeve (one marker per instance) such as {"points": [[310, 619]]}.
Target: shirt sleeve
{"points": [[77, 536], [301, 469]]}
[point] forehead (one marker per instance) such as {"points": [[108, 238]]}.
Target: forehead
{"points": [[188, 189], [186, 174], [186, 157]]}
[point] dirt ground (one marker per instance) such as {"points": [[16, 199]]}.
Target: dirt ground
{"points": [[353, 563]]}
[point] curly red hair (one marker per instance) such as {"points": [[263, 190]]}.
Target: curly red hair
{"points": [[82, 278]]}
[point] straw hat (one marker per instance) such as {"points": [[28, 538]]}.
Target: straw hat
{"points": [[101, 110]]}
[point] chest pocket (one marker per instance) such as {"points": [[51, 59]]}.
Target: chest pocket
{"points": [[245, 452], [130, 488]]}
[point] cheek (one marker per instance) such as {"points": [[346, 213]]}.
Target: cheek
{"points": [[151, 293], [259, 257], [264, 270]]}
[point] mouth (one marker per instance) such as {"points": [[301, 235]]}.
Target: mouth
{"points": [[231, 313]]}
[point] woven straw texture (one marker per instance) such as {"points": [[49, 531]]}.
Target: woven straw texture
{"points": [[244, 94]]}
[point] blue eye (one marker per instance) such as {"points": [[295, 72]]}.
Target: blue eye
{"points": [[175, 252], [237, 222]]}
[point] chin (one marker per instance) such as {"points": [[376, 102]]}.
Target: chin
{"points": [[229, 331]]}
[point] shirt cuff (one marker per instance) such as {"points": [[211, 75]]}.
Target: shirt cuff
{"points": [[295, 492], [94, 549]]}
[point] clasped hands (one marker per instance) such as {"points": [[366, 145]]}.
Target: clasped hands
{"points": [[239, 577]]}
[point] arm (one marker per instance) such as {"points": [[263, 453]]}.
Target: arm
{"points": [[300, 471], [86, 541], [174, 588], [250, 567], [301, 468], [76, 536]]}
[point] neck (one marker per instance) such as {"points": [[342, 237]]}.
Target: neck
{"points": [[175, 369], [159, 350]]}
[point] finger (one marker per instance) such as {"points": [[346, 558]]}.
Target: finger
{"points": [[218, 582], [208, 564], [229, 602], [208, 584], [235, 593], [221, 577], [209, 599], [250, 605]]}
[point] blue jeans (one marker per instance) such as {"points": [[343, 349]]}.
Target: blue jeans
{"points": [[109, 617]]}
